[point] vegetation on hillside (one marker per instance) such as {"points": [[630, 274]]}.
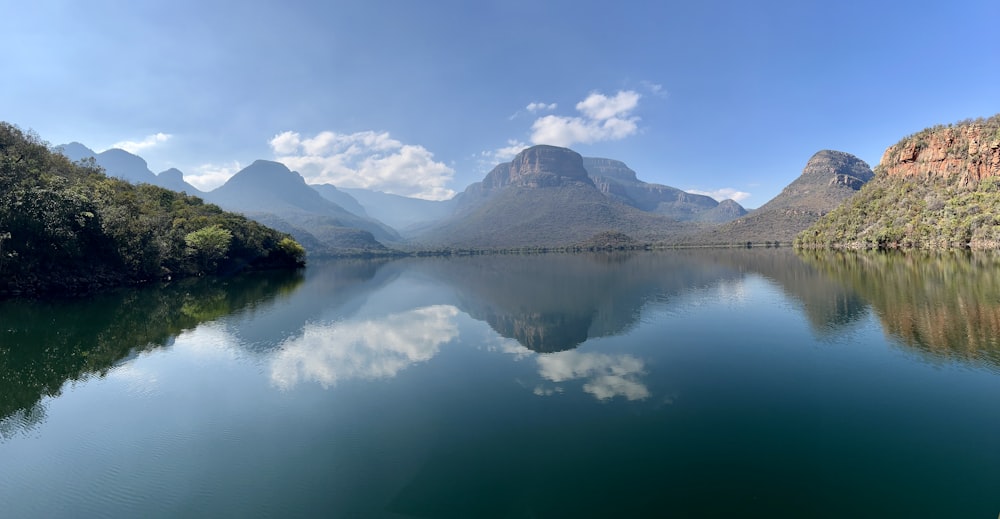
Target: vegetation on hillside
{"points": [[950, 205], [67, 227]]}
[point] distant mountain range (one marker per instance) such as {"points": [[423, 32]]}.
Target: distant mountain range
{"points": [[616, 180], [546, 196], [127, 166]]}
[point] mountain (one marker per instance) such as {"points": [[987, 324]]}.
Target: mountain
{"points": [[269, 188], [75, 151], [618, 181], [127, 166], [938, 188], [727, 211], [403, 213], [544, 197], [173, 179], [345, 200], [67, 227], [829, 178], [116, 163]]}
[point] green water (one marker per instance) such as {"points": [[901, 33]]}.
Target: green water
{"points": [[726, 383]]}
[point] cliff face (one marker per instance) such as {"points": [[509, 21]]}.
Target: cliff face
{"points": [[967, 152], [935, 189], [539, 166]]}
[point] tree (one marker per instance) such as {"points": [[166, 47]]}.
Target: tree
{"points": [[208, 245]]}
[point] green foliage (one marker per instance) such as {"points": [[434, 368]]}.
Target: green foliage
{"points": [[209, 245], [929, 212], [67, 227], [893, 212], [292, 249]]}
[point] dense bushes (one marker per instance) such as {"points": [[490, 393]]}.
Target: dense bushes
{"points": [[68, 227], [894, 212]]}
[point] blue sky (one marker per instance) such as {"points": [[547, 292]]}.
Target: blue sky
{"points": [[424, 97]]}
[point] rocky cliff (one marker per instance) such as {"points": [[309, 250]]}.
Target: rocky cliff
{"points": [[539, 166], [968, 152], [938, 188], [829, 178]]}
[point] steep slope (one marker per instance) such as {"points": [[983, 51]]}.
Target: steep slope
{"points": [[618, 181], [270, 188], [939, 188], [173, 179], [345, 200], [543, 197], [829, 178], [403, 213]]}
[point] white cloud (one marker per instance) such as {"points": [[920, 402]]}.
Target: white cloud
{"points": [[210, 176], [602, 118], [599, 106], [490, 158], [329, 353], [507, 346], [722, 194], [541, 107], [137, 146], [607, 376], [654, 88], [369, 160]]}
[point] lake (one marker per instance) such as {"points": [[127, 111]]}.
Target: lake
{"points": [[715, 383]]}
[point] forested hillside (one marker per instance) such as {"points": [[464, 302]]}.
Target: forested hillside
{"points": [[67, 227]]}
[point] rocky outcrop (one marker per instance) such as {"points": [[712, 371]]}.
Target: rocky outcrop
{"points": [[829, 178], [936, 189], [542, 198], [539, 166], [968, 151]]}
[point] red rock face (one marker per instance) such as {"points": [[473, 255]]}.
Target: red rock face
{"points": [[969, 152]]}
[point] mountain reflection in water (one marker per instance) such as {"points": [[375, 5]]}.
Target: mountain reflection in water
{"points": [[515, 386]]}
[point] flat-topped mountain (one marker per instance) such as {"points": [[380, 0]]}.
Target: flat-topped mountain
{"points": [[829, 178], [544, 197], [539, 166], [938, 188], [618, 181]]}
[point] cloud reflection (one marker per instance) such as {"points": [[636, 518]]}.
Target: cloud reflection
{"points": [[328, 353], [607, 376]]}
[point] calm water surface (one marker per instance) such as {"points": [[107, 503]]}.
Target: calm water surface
{"points": [[744, 383]]}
